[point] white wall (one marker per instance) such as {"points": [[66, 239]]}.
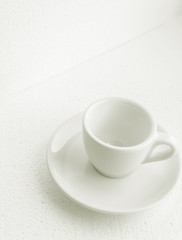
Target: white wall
{"points": [[42, 38]]}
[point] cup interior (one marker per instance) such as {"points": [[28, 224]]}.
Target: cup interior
{"points": [[119, 123]]}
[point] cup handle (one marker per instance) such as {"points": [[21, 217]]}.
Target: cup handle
{"points": [[162, 139]]}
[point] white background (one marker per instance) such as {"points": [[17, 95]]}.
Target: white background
{"points": [[94, 49], [41, 38]]}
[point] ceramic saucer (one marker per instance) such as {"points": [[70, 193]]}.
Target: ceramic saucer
{"points": [[74, 174]]}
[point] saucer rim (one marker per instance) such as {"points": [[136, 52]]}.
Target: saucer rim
{"points": [[111, 212]]}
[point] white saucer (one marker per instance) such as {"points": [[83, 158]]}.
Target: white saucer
{"points": [[71, 170]]}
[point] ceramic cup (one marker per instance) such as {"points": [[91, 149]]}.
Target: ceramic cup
{"points": [[120, 134]]}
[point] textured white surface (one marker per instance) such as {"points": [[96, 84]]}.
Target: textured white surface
{"points": [[41, 38], [147, 69]]}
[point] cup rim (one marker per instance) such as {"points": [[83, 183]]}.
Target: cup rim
{"points": [[126, 100]]}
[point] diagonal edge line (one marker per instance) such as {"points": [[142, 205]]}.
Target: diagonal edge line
{"points": [[91, 59]]}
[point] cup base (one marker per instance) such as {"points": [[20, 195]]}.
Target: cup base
{"points": [[112, 176]]}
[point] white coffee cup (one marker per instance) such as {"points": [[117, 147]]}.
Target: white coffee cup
{"points": [[120, 134]]}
